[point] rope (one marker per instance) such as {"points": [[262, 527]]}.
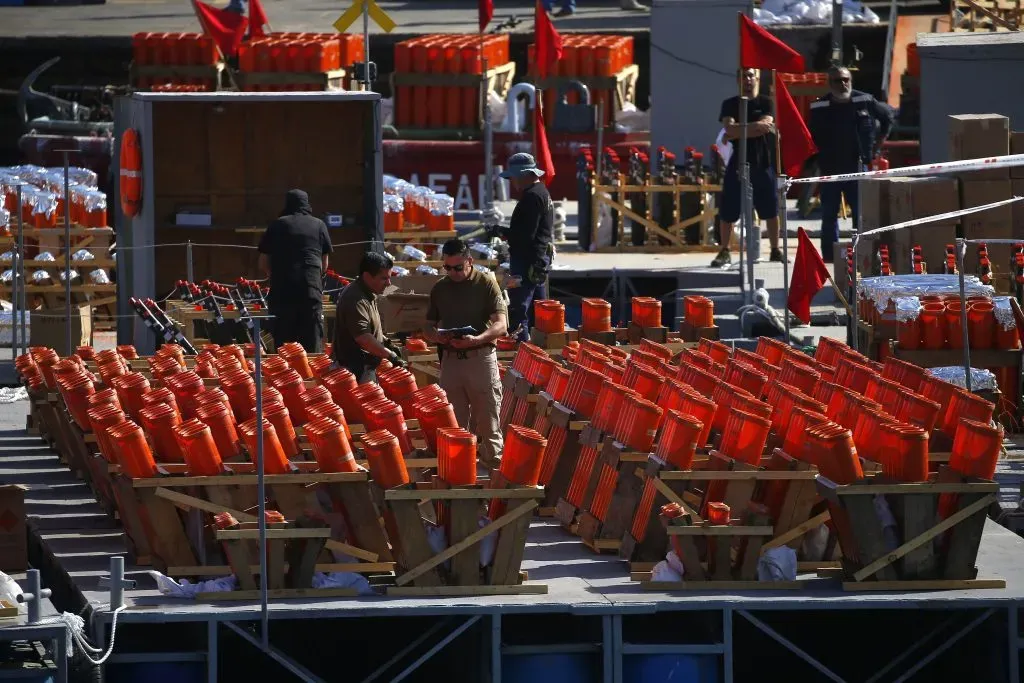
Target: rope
{"points": [[75, 626]]}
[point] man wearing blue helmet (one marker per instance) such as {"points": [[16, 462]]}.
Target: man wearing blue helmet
{"points": [[529, 238]]}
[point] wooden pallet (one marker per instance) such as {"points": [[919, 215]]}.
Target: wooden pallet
{"points": [[603, 530], [422, 572], [930, 553], [986, 15], [576, 456]]}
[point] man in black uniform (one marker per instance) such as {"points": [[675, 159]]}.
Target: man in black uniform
{"points": [[293, 254], [760, 159], [842, 124], [529, 238], [359, 341]]}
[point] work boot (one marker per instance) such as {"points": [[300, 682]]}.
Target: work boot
{"points": [[632, 5], [776, 256], [723, 259]]}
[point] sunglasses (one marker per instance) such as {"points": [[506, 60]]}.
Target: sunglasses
{"points": [[458, 269]]}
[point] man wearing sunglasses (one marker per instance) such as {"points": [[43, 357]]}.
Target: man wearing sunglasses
{"points": [[843, 125], [467, 298]]}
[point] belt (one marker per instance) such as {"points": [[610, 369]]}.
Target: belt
{"points": [[463, 354]]}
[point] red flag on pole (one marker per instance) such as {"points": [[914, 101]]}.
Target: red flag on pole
{"points": [[257, 19], [541, 151], [548, 42], [761, 50], [226, 28], [809, 276], [795, 140], [485, 12]]}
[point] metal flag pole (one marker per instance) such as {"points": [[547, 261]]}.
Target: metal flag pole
{"points": [[783, 184]]}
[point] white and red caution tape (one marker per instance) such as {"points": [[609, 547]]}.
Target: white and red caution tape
{"points": [[939, 217], [964, 166]]}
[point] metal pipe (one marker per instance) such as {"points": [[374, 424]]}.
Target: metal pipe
{"points": [[402, 675], [745, 218], [189, 275], [890, 39], [67, 250], [837, 32], [789, 645], [961, 250], [116, 582], [261, 484], [600, 144], [292, 666]]}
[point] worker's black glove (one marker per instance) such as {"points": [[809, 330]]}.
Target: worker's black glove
{"points": [[493, 230], [537, 274], [398, 361]]}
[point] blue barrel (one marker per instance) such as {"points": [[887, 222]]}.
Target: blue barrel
{"points": [[156, 672], [669, 668], [551, 668]]}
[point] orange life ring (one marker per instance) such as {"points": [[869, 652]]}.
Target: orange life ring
{"points": [[131, 173]]}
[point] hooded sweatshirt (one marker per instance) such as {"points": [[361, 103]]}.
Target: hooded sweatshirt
{"points": [[296, 243]]}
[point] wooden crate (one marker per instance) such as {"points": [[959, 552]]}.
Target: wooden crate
{"points": [[497, 79], [217, 73], [288, 80], [655, 334], [602, 530], [688, 332], [929, 553], [422, 572], [518, 400], [553, 341]]}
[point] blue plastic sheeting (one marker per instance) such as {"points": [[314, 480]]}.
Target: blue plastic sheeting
{"points": [[670, 668], [551, 668]]}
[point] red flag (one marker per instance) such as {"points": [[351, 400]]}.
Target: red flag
{"points": [[795, 141], [548, 42], [541, 151], [226, 28], [761, 50], [257, 19], [485, 12], [809, 276]]}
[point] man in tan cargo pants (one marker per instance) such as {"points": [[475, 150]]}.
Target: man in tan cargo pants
{"points": [[467, 298]]}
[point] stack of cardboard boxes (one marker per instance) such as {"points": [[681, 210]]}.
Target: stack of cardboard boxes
{"points": [[885, 202]]}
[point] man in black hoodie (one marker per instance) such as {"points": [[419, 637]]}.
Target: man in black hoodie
{"points": [[293, 254]]}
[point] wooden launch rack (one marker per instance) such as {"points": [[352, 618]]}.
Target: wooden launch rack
{"points": [[930, 553], [780, 487], [460, 509]]}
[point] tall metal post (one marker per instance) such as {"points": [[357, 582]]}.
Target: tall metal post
{"points": [[67, 251], [366, 44], [961, 251], [19, 273], [746, 212], [487, 201], [15, 296], [260, 486], [854, 299], [783, 228], [189, 275]]}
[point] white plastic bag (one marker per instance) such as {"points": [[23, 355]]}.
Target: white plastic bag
{"points": [[777, 564]]}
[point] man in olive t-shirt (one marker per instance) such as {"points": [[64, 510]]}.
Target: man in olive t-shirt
{"points": [[359, 340], [469, 367]]}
